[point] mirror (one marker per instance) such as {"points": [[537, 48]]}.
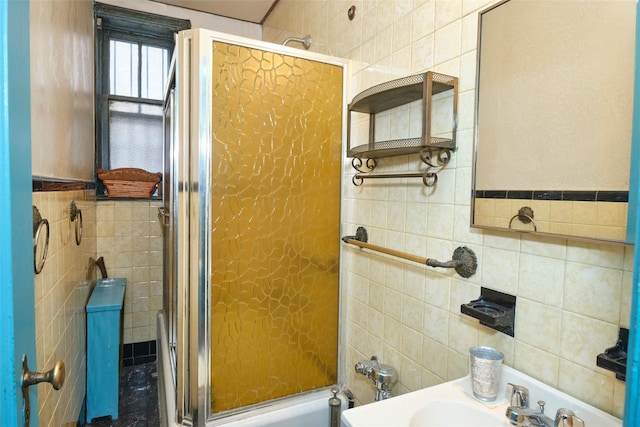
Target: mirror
{"points": [[554, 103]]}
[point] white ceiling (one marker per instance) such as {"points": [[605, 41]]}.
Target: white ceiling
{"points": [[246, 10]]}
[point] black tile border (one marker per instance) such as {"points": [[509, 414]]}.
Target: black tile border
{"points": [[139, 352], [581, 196], [547, 195], [41, 184], [613, 196]]}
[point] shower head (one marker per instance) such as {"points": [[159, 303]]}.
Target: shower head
{"points": [[306, 40]]}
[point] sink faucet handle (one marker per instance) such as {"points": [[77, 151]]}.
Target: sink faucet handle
{"points": [[567, 418], [541, 404], [517, 395]]}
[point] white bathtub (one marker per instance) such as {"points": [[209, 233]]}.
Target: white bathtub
{"points": [[309, 410]]}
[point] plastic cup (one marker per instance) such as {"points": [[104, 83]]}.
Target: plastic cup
{"points": [[485, 366]]}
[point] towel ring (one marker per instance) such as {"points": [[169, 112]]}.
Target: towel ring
{"points": [[39, 224], [525, 216], [75, 215]]}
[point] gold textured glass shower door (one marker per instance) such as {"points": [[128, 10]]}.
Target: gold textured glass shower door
{"points": [[276, 160]]}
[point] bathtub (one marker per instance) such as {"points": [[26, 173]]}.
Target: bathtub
{"points": [[166, 390], [308, 410]]}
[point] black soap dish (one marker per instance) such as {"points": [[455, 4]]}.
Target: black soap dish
{"points": [[493, 309], [615, 358]]}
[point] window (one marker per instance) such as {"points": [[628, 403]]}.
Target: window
{"points": [[137, 77], [133, 53]]}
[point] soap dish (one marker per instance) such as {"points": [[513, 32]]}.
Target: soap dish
{"points": [[615, 358], [493, 309]]}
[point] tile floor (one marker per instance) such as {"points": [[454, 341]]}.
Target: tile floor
{"points": [[138, 401]]}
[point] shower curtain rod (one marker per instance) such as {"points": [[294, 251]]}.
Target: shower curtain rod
{"points": [[464, 259]]}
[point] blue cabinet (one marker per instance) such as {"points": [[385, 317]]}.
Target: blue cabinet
{"points": [[104, 323]]}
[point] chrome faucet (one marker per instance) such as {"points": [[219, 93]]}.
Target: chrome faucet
{"points": [[519, 413], [521, 416], [518, 395], [567, 418], [383, 376]]}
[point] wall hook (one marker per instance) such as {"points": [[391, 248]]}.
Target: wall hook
{"points": [[351, 13]]}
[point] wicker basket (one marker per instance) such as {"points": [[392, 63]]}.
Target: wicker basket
{"points": [[129, 182]]}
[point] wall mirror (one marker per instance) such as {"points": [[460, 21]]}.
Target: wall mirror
{"points": [[554, 103]]}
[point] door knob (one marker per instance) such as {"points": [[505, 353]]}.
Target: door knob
{"points": [[54, 376]]}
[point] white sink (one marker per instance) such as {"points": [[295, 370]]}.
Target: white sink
{"points": [[452, 404], [452, 413]]}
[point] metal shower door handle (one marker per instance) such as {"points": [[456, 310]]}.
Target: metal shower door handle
{"points": [[163, 216], [54, 376]]}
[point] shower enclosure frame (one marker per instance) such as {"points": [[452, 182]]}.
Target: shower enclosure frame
{"points": [[191, 167]]}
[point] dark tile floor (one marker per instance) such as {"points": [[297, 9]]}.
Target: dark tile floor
{"points": [[138, 400]]}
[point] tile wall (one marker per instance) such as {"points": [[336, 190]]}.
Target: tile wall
{"points": [[603, 220], [129, 237], [61, 292], [572, 296]]}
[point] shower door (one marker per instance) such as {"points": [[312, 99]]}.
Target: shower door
{"points": [[264, 178], [168, 223]]}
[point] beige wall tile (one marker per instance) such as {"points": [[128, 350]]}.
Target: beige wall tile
{"points": [[392, 332], [463, 333], [584, 213], [540, 279], [618, 399], [537, 363], [574, 347], [436, 324], [504, 209], [561, 212], [588, 289], [539, 325], [357, 312], [608, 256], [411, 345], [429, 379], [414, 282], [61, 293], [131, 244], [594, 388], [434, 357], [612, 214], [410, 374], [437, 290], [457, 365], [412, 313], [492, 338], [500, 270], [626, 298]]}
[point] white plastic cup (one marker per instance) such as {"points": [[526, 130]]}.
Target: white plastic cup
{"points": [[485, 367]]}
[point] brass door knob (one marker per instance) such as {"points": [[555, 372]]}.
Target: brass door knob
{"points": [[54, 376]]}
